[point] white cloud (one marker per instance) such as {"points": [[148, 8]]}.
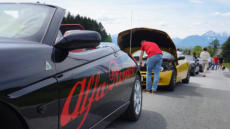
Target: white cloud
{"points": [[183, 18], [197, 23], [221, 14], [223, 1], [197, 1]]}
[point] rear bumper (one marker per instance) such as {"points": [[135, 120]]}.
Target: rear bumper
{"points": [[165, 78]]}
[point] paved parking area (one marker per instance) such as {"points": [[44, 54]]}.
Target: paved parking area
{"points": [[201, 104]]}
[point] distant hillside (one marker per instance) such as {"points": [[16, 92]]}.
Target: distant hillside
{"points": [[193, 40], [202, 40]]}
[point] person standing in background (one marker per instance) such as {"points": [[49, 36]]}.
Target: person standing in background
{"points": [[194, 55], [209, 62], [221, 60], [213, 64], [204, 55], [188, 52], [154, 62], [179, 53], [216, 61]]}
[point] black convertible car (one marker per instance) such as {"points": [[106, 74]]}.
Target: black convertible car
{"points": [[45, 85]]}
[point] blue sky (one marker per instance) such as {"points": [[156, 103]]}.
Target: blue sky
{"points": [[179, 18]]}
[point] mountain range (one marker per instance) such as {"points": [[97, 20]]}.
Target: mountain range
{"points": [[201, 40], [193, 40]]}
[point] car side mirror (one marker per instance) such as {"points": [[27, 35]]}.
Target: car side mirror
{"points": [[181, 58], [78, 39]]}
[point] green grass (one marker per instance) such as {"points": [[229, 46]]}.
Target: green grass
{"points": [[227, 65]]}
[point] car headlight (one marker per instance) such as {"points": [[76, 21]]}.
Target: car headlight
{"points": [[162, 69]]}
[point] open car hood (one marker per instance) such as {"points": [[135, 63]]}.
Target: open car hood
{"points": [[138, 34]]}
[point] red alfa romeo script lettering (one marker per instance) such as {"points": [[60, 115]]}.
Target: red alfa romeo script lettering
{"points": [[85, 100]]}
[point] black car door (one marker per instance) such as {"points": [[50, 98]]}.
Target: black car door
{"points": [[90, 86], [29, 84], [79, 73]]}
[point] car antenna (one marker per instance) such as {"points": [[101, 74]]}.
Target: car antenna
{"points": [[130, 41]]}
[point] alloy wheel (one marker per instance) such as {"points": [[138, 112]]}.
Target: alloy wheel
{"points": [[137, 97]]}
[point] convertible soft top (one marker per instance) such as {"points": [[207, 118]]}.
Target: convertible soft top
{"points": [[139, 34]]}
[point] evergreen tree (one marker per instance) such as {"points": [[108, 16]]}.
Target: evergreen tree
{"points": [[226, 50], [210, 51], [108, 38], [215, 44], [197, 50], [88, 24]]}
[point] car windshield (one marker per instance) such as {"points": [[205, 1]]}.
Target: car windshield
{"points": [[189, 58], [166, 55], [24, 21]]}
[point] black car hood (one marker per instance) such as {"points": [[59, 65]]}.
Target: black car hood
{"points": [[138, 34]]}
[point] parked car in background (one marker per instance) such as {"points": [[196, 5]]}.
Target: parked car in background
{"points": [[173, 69], [200, 65], [194, 65], [44, 85]]}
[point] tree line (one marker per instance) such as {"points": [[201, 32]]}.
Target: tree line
{"points": [[226, 50], [213, 49], [88, 24]]}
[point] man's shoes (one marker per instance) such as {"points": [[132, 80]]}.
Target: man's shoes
{"points": [[153, 92], [150, 91], [145, 90], [204, 75]]}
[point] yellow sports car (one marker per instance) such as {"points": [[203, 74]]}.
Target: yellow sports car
{"points": [[174, 69]]}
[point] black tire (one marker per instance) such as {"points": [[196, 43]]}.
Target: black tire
{"points": [[132, 113], [193, 72], [186, 80], [172, 84], [201, 68], [9, 119]]}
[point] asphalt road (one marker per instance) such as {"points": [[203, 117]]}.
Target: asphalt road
{"points": [[204, 103]]}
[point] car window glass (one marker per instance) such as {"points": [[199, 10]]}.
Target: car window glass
{"points": [[189, 57], [23, 21], [59, 36], [166, 55]]}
